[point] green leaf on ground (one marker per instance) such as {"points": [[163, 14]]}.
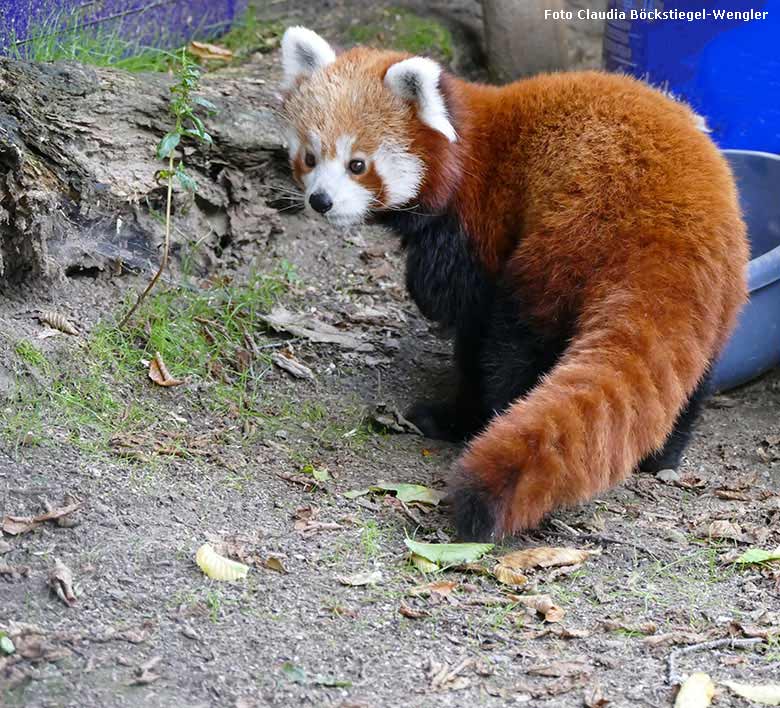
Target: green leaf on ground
{"points": [[6, 645], [297, 674], [355, 493], [294, 672], [449, 553], [758, 555], [321, 474], [408, 493]]}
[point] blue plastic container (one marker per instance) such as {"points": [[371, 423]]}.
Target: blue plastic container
{"points": [[726, 68], [755, 345]]}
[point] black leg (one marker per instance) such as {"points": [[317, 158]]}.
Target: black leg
{"points": [[514, 357], [669, 456], [460, 418]]}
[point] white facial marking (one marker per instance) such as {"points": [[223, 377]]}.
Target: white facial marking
{"points": [[303, 53], [344, 147], [401, 173], [417, 80], [351, 201], [315, 144], [293, 142]]}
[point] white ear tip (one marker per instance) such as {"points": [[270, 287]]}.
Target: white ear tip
{"points": [[417, 80], [303, 53]]}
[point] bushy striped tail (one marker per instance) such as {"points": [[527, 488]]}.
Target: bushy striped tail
{"points": [[611, 400]]}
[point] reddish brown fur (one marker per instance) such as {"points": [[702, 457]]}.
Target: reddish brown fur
{"points": [[608, 209]]}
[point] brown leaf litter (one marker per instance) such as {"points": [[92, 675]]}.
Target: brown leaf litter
{"points": [[159, 374], [16, 525]]}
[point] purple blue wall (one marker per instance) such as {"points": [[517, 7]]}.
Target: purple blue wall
{"points": [[162, 23]]}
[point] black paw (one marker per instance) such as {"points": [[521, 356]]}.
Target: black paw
{"points": [[663, 460], [473, 513], [435, 420]]}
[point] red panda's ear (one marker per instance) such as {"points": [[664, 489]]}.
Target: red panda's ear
{"points": [[303, 53], [417, 80]]}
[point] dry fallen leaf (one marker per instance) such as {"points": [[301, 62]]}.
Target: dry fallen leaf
{"points": [[57, 321], [275, 563], [158, 372], [696, 692], [594, 698], [722, 529], [764, 694], [61, 582], [509, 576], [282, 320], [543, 604], [545, 557], [15, 525], [442, 588], [144, 675], [412, 612], [292, 366], [559, 669], [209, 52], [637, 628], [218, 567], [391, 420], [360, 579], [444, 677], [14, 571]]}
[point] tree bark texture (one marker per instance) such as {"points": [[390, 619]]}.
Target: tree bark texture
{"points": [[77, 169]]}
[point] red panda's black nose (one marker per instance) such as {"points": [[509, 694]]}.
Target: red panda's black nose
{"points": [[320, 202]]}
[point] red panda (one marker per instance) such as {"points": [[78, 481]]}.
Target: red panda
{"points": [[577, 231]]}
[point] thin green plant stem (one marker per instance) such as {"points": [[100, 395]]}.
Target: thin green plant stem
{"points": [[166, 247]]}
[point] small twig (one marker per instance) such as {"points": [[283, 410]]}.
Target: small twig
{"points": [[673, 678], [166, 248], [599, 537], [415, 519]]}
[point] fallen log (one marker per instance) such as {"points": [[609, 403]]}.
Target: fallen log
{"points": [[78, 192]]}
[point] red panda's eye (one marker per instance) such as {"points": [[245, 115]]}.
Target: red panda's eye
{"points": [[310, 160], [357, 167]]}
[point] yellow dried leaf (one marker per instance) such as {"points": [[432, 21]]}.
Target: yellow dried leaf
{"points": [[543, 604], [508, 576], [218, 567], [442, 588], [210, 52], [423, 564], [158, 372], [275, 563], [545, 557], [767, 694], [696, 692]]}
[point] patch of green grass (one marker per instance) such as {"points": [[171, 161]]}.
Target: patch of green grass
{"points": [[369, 539], [33, 356], [250, 34], [399, 28], [204, 334], [61, 37], [214, 603]]}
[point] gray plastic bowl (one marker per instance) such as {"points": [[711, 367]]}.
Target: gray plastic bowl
{"points": [[755, 345]]}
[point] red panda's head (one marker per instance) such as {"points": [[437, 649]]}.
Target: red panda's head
{"points": [[368, 130]]}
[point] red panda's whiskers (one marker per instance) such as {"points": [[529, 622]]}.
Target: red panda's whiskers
{"points": [[410, 209]]}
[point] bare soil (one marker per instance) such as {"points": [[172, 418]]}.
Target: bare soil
{"points": [[664, 579]]}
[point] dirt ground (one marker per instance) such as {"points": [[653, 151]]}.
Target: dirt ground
{"points": [[149, 629]]}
